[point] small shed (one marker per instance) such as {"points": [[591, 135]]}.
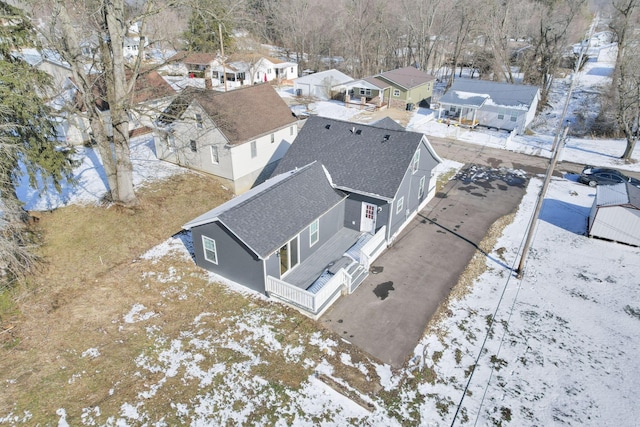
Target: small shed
{"points": [[615, 214]]}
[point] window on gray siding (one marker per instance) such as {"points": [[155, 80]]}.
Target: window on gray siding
{"points": [[254, 149], [514, 118], [194, 145], [421, 187], [501, 115], [209, 249], [199, 121], [314, 232], [399, 205], [214, 154], [416, 162]]}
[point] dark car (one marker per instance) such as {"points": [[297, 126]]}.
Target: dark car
{"points": [[602, 176]]}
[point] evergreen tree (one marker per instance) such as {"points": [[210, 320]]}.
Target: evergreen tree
{"points": [[208, 19], [27, 142]]}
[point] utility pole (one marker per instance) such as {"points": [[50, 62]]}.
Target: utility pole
{"points": [[536, 212], [555, 149]]}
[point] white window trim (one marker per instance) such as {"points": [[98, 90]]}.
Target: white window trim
{"points": [[415, 164], [206, 239], [313, 241], [423, 181], [399, 205]]}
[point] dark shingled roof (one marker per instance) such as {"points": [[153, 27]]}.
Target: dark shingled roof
{"points": [[241, 114], [362, 158], [407, 77], [269, 215], [388, 123]]}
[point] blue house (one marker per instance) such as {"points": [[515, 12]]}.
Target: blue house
{"points": [[335, 202]]}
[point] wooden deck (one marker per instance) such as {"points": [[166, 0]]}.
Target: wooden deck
{"points": [[332, 251]]}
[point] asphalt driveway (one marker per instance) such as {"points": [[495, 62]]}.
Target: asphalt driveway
{"points": [[387, 315]]}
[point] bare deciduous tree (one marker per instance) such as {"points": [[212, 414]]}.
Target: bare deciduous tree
{"points": [[627, 73]]}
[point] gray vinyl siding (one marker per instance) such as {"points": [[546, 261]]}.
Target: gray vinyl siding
{"points": [[329, 225], [273, 266], [235, 261], [409, 189], [353, 211]]}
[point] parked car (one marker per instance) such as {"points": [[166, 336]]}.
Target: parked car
{"points": [[602, 176]]}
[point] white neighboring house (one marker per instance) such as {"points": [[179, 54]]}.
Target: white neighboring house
{"points": [[321, 85], [615, 214], [269, 69], [240, 72], [238, 135]]}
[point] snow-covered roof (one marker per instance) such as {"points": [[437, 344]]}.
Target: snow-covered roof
{"points": [[334, 76], [471, 92], [618, 194]]}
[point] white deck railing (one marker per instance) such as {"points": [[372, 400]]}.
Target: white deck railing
{"points": [[373, 248], [303, 298]]}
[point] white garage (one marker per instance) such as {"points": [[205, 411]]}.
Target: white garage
{"points": [[615, 214], [320, 85]]}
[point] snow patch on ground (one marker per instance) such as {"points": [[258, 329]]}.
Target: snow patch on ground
{"points": [[136, 314]]}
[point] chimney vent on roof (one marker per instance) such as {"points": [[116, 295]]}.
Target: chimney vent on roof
{"points": [[327, 126], [386, 138], [353, 129], [359, 131]]}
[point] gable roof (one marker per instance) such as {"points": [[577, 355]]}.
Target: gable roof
{"points": [[407, 77], [366, 159], [388, 123], [623, 193], [334, 76], [241, 114], [472, 92], [269, 215], [370, 83]]}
